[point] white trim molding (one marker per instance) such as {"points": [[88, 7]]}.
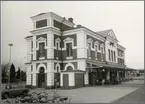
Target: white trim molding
{"points": [[57, 65], [57, 40], [69, 64], [41, 65], [68, 40], [103, 46], [40, 40]]}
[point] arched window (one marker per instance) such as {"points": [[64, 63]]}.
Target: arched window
{"points": [[41, 70], [57, 69], [57, 49], [69, 68], [96, 51]]}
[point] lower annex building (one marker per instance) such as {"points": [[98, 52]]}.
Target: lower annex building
{"points": [[62, 54]]}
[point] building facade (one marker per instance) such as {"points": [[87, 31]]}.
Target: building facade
{"points": [[62, 54]]}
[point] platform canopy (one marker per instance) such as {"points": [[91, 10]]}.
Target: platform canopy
{"points": [[106, 65]]}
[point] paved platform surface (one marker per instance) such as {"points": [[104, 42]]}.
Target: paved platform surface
{"points": [[100, 94], [137, 96]]}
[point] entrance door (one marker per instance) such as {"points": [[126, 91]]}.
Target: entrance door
{"points": [[57, 80], [65, 81], [79, 80], [92, 78], [41, 78]]}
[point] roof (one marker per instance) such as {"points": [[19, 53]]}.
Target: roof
{"points": [[120, 47], [28, 37], [105, 33], [108, 65], [76, 70], [130, 69], [39, 14], [84, 28]]}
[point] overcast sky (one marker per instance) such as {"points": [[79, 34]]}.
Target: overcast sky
{"points": [[126, 18]]}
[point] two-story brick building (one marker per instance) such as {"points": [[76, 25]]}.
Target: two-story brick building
{"points": [[58, 51]]}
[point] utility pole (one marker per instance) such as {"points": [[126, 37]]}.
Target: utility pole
{"points": [[9, 62]]}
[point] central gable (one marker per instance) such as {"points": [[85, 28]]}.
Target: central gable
{"points": [[111, 34], [107, 33]]}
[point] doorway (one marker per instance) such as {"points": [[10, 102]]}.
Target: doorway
{"points": [[41, 78]]}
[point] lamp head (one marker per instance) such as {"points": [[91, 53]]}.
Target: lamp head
{"points": [[10, 44]]}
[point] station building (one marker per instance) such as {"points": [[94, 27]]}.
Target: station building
{"points": [[63, 54]]}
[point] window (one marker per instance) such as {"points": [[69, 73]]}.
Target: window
{"points": [[57, 50], [111, 44], [122, 54], [96, 50], [122, 61], [89, 49], [118, 61], [41, 50], [109, 54], [119, 53], [69, 68], [114, 56], [60, 25], [69, 49], [57, 69], [41, 23], [102, 52]]}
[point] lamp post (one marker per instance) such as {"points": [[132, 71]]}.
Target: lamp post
{"points": [[10, 62]]}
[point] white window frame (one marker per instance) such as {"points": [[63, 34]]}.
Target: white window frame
{"points": [[102, 47], [96, 44], [57, 40], [69, 64], [57, 65], [68, 40], [89, 41], [41, 40]]}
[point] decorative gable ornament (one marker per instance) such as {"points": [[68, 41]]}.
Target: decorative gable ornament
{"points": [[41, 39], [102, 45], [90, 40], [57, 40], [68, 39], [96, 43], [111, 34]]}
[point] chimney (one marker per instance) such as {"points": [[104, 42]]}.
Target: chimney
{"points": [[79, 26], [70, 19]]}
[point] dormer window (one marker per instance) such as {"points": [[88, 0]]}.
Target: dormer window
{"points": [[41, 23]]}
